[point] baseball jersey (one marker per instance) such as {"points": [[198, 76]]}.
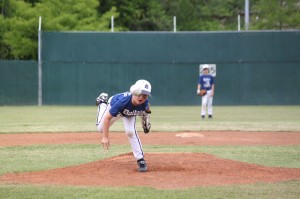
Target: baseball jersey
{"points": [[121, 104], [206, 81]]}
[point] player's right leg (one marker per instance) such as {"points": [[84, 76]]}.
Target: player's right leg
{"points": [[203, 106]]}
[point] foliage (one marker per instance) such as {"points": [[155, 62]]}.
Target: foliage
{"points": [[79, 15], [19, 18], [270, 14], [6, 8], [137, 15], [201, 15], [19, 27]]}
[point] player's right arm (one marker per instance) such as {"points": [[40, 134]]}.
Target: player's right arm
{"points": [[198, 88], [105, 139], [199, 85]]}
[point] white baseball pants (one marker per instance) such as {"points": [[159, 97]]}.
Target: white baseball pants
{"points": [[129, 125], [207, 101]]}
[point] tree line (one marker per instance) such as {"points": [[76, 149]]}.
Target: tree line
{"points": [[19, 18]]}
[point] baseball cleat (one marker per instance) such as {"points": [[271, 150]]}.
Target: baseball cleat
{"points": [[210, 116], [103, 97], [202, 116], [142, 165]]}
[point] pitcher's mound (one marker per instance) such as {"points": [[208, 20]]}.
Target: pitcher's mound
{"points": [[165, 171]]}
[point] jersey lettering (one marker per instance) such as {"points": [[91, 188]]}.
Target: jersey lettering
{"points": [[206, 82], [121, 104], [127, 112]]}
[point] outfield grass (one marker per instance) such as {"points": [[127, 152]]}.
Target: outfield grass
{"points": [[18, 119], [21, 119]]}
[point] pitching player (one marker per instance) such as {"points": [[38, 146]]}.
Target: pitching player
{"points": [[127, 106], [206, 88]]}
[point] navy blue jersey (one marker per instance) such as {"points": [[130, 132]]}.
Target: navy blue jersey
{"points": [[206, 81], [121, 104]]}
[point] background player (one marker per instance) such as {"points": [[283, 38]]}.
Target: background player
{"points": [[206, 82], [127, 106]]}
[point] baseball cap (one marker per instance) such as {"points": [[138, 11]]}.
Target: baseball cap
{"points": [[141, 87], [205, 66]]}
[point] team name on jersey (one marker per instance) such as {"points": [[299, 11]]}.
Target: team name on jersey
{"points": [[206, 79], [126, 112]]}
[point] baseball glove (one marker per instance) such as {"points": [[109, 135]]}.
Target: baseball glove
{"points": [[146, 121], [203, 92]]}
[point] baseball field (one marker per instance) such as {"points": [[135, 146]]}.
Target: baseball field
{"points": [[243, 152]]}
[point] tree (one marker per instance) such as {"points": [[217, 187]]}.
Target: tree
{"points": [[138, 15], [4, 49], [32, 2], [14, 40], [19, 30], [19, 18], [203, 15], [280, 14]]}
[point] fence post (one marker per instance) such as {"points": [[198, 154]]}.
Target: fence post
{"points": [[112, 23], [40, 88], [246, 14], [174, 23]]}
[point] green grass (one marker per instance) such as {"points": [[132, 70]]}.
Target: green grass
{"points": [[274, 156], [286, 190], [240, 118], [20, 119], [43, 157]]}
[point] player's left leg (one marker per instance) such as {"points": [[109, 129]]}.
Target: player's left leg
{"points": [[209, 104], [135, 142], [103, 109]]}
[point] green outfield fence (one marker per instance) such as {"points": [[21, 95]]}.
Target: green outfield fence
{"points": [[18, 83], [253, 67]]}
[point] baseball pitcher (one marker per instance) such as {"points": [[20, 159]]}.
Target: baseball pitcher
{"points": [[127, 106]]}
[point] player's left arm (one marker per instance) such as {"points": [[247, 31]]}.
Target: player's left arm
{"points": [[212, 88], [148, 108]]}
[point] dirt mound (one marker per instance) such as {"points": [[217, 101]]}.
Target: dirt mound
{"points": [[166, 171]]}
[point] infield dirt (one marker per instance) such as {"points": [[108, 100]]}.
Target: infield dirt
{"points": [[166, 170]]}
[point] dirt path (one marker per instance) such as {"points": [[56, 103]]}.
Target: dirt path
{"points": [[166, 138]]}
